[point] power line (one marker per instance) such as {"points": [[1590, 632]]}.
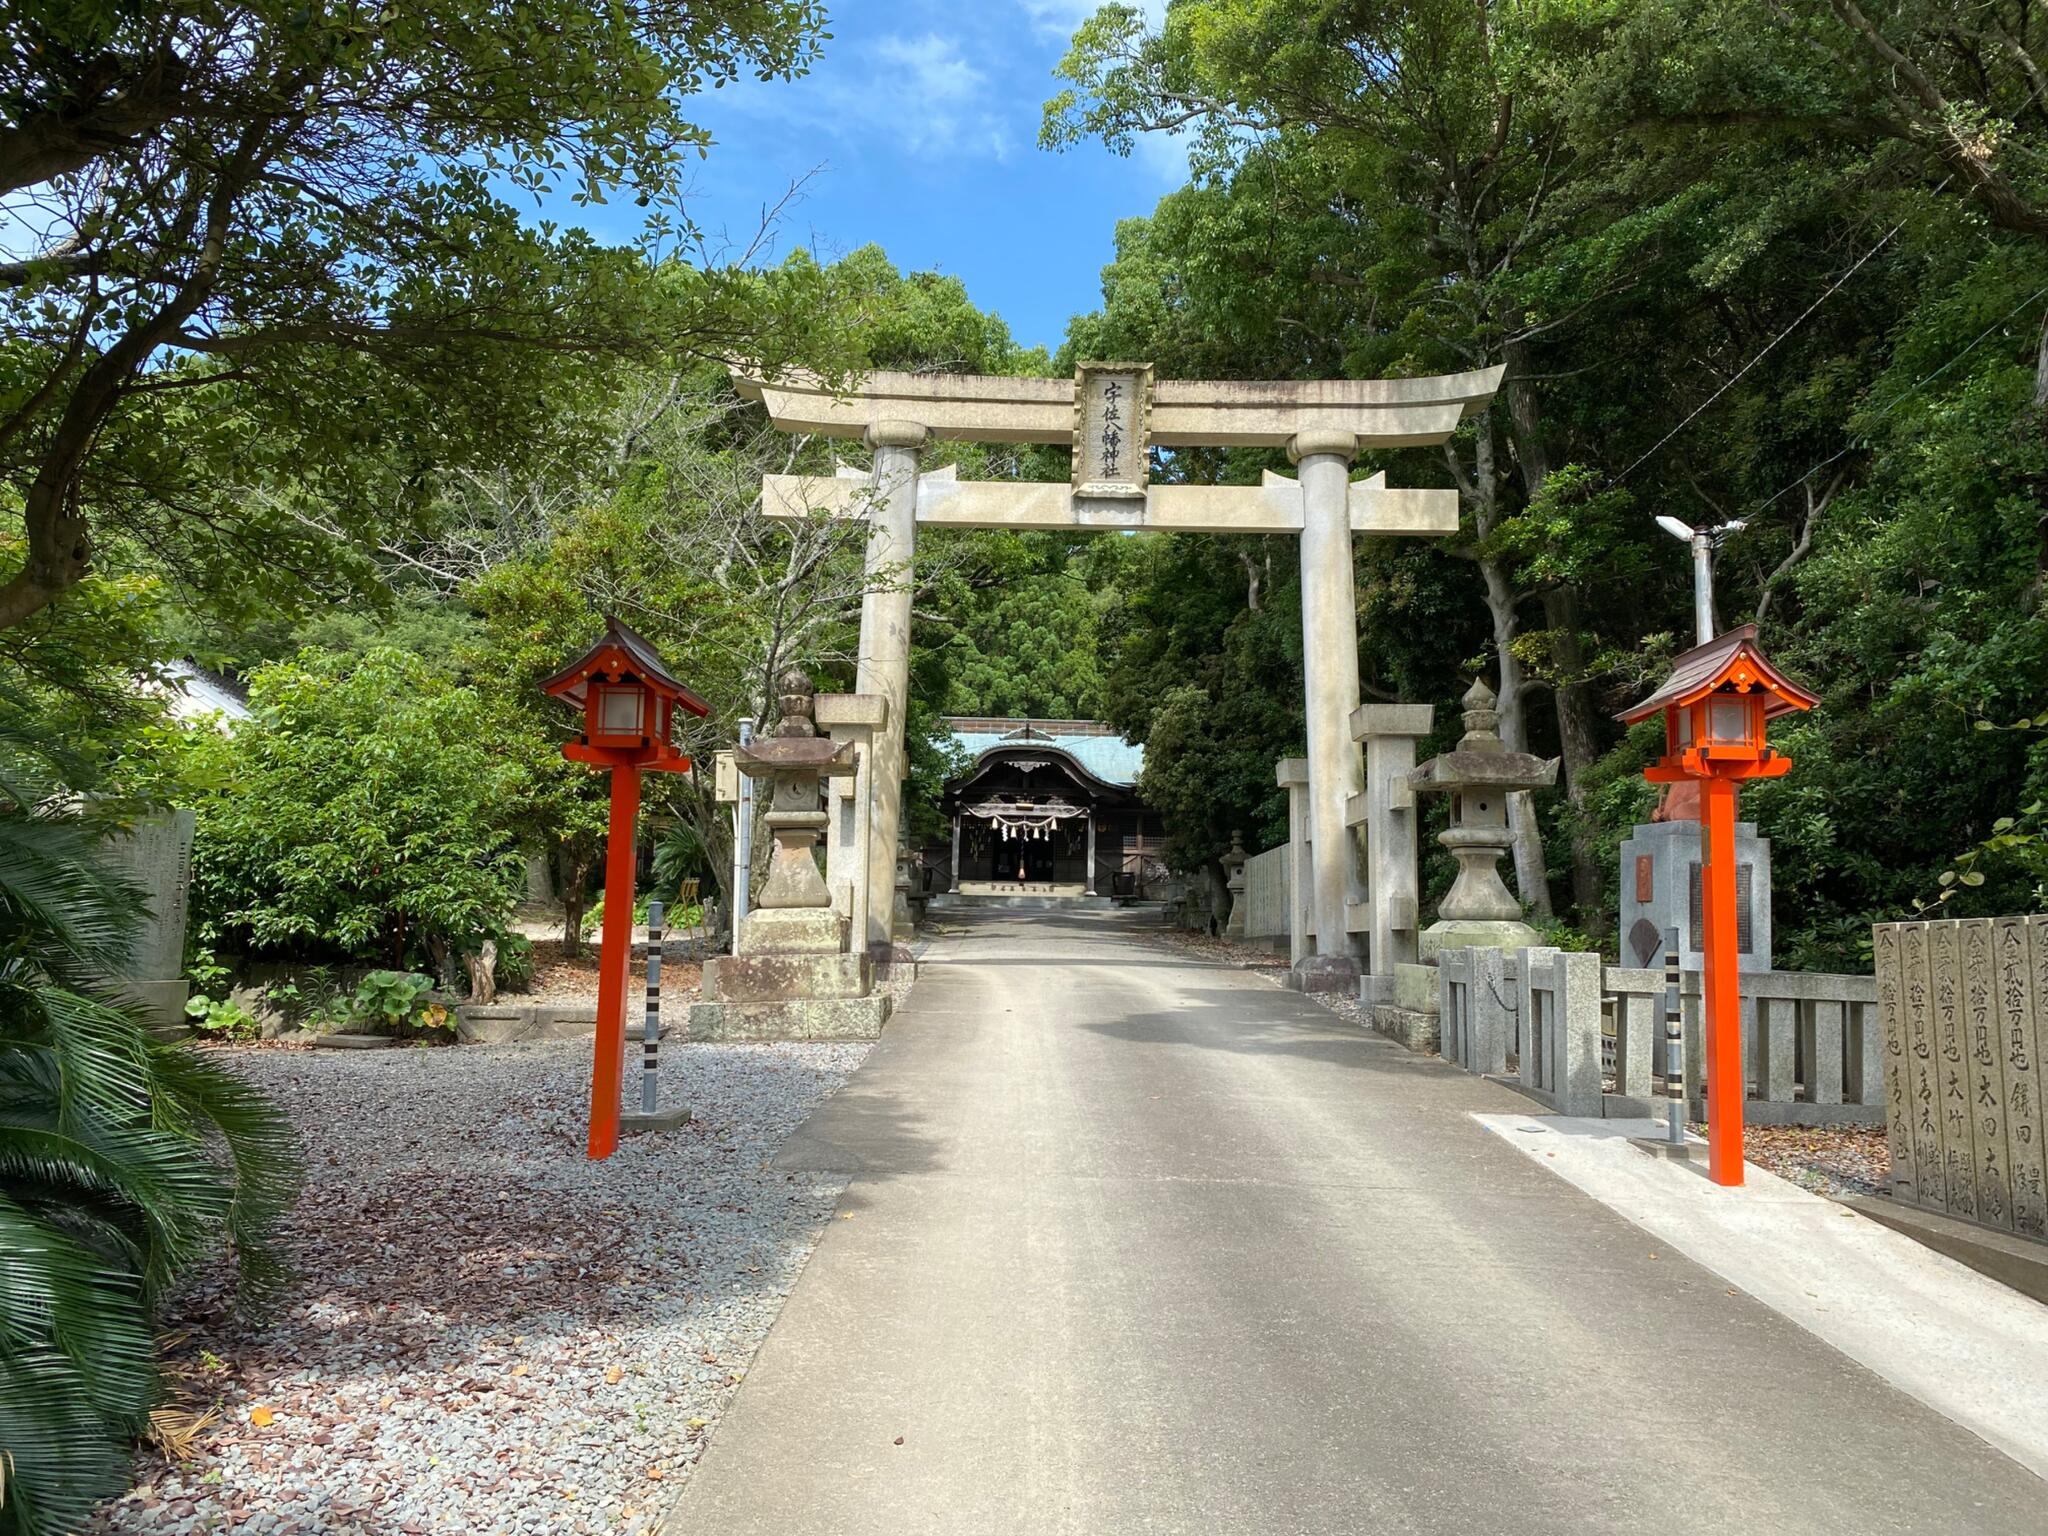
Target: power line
{"points": [[1801, 320], [1906, 393]]}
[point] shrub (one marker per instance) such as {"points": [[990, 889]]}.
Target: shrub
{"points": [[364, 810], [223, 1018], [396, 1003], [122, 1161]]}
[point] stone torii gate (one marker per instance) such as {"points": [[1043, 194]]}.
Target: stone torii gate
{"points": [[1112, 415]]}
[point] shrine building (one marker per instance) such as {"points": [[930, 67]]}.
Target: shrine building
{"points": [[1046, 808]]}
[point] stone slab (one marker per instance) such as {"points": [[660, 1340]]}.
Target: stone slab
{"points": [[349, 1042], [635, 1121], [1415, 988], [1476, 933], [1417, 1030], [776, 978], [2019, 1262], [792, 931], [1323, 973], [163, 1002], [830, 1018], [502, 1025]]}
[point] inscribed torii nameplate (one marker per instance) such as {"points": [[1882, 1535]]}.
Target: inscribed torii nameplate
{"points": [[1112, 429]]}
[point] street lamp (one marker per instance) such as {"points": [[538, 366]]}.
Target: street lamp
{"points": [[1716, 704], [628, 701], [1704, 541]]}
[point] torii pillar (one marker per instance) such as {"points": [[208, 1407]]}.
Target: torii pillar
{"points": [[1329, 659], [885, 657]]}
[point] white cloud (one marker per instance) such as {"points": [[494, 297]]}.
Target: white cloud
{"points": [[943, 106], [1062, 18], [937, 70]]}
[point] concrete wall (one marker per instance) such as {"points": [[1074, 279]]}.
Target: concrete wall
{"points": [[1268, 877]]}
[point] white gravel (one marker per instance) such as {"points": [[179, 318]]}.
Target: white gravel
{"points": [[491, 1333]]}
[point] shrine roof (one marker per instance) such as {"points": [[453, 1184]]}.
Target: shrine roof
{"points": [[1733, 657], [621, 650], [1090, 743]]}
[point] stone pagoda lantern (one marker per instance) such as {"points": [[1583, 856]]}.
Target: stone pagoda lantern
{"points": [[1478, 912], [1478, 774], [792, 976], [1233, 870]]}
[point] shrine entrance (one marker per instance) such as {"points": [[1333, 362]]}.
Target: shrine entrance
{"points": [[1032, 813], [1358, 899]]}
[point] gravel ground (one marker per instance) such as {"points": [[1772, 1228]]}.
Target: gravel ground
{"points": [[1827, 1159], [490, 1333]]}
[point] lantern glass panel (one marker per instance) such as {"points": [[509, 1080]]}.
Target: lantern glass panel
{"points": [[618, 711], [1729, 721], [1685, 731]]}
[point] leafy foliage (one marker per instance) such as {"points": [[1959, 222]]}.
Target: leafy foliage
{"points": [[364, 812], [110, 1184]]}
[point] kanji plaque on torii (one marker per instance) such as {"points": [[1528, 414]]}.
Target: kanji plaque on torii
{"points": [[1112, 445], [1113, 415]]}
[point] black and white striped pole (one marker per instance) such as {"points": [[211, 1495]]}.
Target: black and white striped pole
{"points": [[1674, 1046], [650, 1117], [650, 1038]]}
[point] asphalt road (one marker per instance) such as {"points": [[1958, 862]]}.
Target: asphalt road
{"points": [[1138, 1244]]}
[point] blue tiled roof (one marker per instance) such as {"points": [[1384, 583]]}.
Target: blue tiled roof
{"points": [[1109, 758]]}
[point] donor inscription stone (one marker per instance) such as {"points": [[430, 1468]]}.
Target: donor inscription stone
{"points": [[156, 854], [1961, 1006]]}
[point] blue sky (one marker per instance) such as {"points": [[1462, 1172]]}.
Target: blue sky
{"points": [[944, 172]]}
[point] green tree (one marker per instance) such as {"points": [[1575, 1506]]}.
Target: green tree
{"points": [[365, 810], [264, 237]]}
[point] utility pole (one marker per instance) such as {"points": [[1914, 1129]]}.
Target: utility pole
{"points": [[1704, 542], [742, 842]]}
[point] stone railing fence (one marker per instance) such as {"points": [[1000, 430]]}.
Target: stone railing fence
{"points": [[1582, 1036]]}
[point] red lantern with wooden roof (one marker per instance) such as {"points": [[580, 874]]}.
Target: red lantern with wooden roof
{"points": [[628, 700], [627, 697], [1716, 704]]}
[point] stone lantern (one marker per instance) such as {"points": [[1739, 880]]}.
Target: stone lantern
{"points": [[1478, 774], [1478, 912], [1233, 870], [792, 976]]}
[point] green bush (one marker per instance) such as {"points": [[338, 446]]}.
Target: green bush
{"points": [[396, 1003], [364, 809], [123, 1161], [223, 1018]]}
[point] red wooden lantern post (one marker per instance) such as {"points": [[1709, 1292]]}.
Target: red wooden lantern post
{"points": [[1716, 704], [628, 701]]}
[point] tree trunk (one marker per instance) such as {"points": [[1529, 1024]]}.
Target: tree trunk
{"points": [[1578, 738], [575, 874], [1532, 873], [1571, 697]]}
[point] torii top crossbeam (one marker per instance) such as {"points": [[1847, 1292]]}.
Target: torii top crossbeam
{"points": [[1111, 414], [1220, 413]]}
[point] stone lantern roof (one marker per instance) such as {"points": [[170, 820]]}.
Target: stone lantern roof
{"points": [[1481, 760]]}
